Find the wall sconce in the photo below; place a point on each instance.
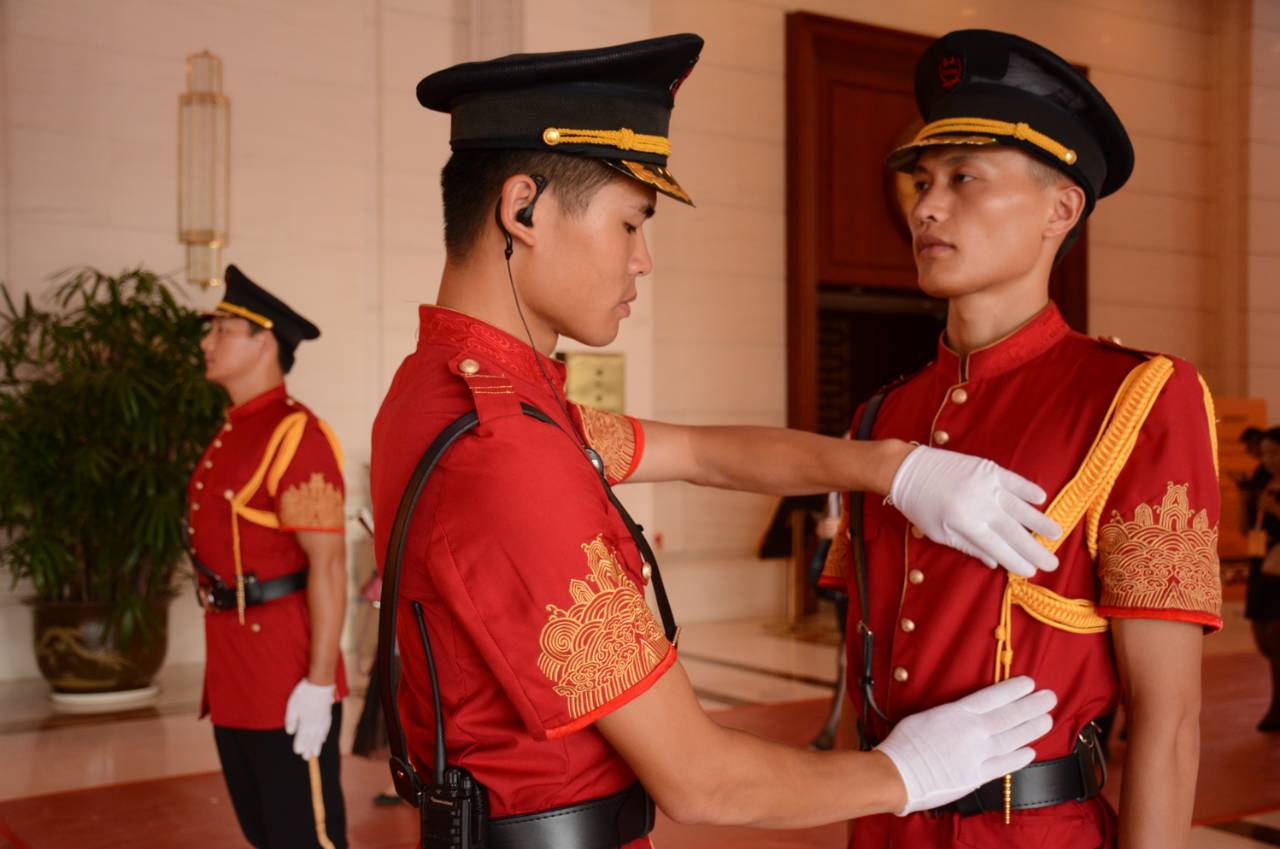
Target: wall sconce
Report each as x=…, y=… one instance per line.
x=204, y=169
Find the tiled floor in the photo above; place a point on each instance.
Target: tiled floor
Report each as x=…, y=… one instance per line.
x=731, y=665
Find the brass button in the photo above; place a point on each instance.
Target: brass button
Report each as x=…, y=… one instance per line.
x=199, y=484
x=646, y=571
x=289, y=402
x=190, y=529
x=468, y=367
x=551, y=136
x=1114, y=340
x=255, y=627
x=901, y=675
x=195, y=506
x=959, y=395
x=908, y=625
x=941, y=437
x=217, y=443
x=228, y=494
x=227, y=427
x=208, y=464
x=916, y=532
x=915, y=576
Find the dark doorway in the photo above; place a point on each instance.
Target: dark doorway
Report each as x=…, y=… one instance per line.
x=865, y=340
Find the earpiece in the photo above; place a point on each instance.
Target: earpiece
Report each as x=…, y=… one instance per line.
x=523, y=215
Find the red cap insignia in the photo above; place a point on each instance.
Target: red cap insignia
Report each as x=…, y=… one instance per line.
x=950, y=71
x=675, y=86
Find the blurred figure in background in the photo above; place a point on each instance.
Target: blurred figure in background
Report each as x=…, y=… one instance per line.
x=1262, y=600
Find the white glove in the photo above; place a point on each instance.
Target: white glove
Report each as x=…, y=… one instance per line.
x=975, y=507
x=945, y=752
x=308, y=716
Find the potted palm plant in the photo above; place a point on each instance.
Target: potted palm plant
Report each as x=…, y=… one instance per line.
x=103, y=411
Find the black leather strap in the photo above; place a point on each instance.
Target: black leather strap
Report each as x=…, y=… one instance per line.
x=219, y=596
x=599, y=824
x=1076, y=778
x=408, y=785
x=222, y=597
x=858, y=538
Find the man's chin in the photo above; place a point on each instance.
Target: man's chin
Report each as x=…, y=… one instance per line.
x=595, y=337
x=943, y=287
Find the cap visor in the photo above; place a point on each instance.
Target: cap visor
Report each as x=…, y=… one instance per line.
x=654, y=175
x=904, y=158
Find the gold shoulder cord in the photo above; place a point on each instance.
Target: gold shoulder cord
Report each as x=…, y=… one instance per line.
x=1082, y=498
x=281, y=447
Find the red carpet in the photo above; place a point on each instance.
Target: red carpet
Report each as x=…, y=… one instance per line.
x=1239, y=775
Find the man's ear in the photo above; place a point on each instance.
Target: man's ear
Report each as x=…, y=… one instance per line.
x=1068, y=207
x=518, y=191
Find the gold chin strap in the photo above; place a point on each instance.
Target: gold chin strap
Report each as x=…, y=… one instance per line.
x=237, y=310
x=622, y=139
x=1019, y=130
x=1082, y=498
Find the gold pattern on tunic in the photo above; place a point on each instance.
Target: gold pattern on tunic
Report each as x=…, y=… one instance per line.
x=315, y=504
x=837, y=563
x=606, y=642
x=612, y=437
x=1166, y=558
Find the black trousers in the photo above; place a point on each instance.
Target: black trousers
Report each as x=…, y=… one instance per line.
x=280, y=802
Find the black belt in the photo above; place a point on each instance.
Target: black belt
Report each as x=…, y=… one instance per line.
x=222, y=597
x=1076, y=778
x=605, y=823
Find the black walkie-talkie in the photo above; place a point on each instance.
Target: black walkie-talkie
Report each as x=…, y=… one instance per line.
x=454, y=812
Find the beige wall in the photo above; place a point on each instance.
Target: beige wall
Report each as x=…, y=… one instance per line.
x=334, y=198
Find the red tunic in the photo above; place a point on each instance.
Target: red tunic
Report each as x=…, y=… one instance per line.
x=252, y=668
x=1033, y=402
x=533, y=589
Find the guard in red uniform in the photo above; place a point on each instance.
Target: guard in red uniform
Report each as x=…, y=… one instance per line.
x=564, y=713
x=1016, y=148
x=266, y=535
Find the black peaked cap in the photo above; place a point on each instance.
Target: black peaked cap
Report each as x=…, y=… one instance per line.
x=983, y=87
x=246, y=299
x=609, y=103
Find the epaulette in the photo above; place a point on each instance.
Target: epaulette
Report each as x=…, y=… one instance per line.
x=491, y=389
x=1114, y=343
x=901, y=380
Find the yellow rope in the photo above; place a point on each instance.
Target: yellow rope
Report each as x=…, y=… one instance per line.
x=1018, y=130
x=1085, y=493
x=623, y=139
x=239, y=501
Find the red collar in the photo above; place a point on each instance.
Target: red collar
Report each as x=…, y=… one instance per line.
x=1029, y=341
x=441, y=325
x=258, y=402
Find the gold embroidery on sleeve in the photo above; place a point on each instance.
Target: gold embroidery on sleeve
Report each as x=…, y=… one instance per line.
x=606, y=642
x=613, y=438
x=314, y=504
x=837, y=562
x=1166, y=558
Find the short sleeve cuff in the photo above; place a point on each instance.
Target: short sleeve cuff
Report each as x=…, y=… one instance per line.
x=638, y=689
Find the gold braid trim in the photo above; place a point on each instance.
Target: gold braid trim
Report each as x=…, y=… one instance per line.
x=623, y=139
x=1020, y=130
x=249, y=315
x=1086, y=492
x=1088, y=489
x=239, y=510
